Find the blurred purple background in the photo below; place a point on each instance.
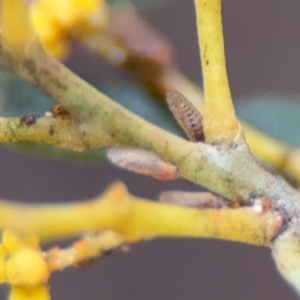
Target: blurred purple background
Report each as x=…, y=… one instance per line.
x=263, y=53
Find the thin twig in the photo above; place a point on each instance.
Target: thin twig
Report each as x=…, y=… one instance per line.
x=63, y=133
x=136, y=218
x=87, y=249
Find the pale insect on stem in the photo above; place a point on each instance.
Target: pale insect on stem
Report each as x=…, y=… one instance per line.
x=187, y=116
x=142, y=162
x=193, y=199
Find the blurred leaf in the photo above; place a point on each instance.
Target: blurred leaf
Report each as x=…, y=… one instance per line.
x=276, y=114
x=143, y=5
x=19, y=98
x=133, y=97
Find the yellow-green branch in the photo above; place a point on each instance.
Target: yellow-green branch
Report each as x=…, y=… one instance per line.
x=275, y=153
x=89, y=248
x=63, y=133
x=220, y=122
x=136, y=218
x=285, y=250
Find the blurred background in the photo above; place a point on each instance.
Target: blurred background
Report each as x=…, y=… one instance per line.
x=263, y=57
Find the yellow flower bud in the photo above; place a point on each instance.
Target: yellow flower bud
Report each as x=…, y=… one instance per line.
x=55, y=21
x=2, y=268
x=27, y=268
x=11, y=241
x=40, y=292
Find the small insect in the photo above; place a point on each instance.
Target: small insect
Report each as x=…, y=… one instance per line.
x=192, y=199
x=28, y=120
x=58, y=111
x=187, y=116
x=142, y=162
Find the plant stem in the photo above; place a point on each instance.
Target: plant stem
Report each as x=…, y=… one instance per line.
x=135, y=218
x=220, y=122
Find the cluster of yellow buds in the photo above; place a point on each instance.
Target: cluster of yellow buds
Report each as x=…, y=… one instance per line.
x=23, y=267
x=57, y=22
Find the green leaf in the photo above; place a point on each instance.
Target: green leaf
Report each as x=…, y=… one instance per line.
x=130, y=95
x=19, y=97
x=275, y=114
